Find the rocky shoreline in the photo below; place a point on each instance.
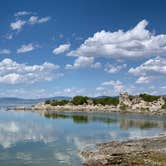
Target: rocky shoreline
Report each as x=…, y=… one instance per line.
x=87, y=108
x=143, y=104
x=143, y=152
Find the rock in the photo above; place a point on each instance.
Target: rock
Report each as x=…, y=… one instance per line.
x=124, y=99
x=129, y=153
x=136, y=102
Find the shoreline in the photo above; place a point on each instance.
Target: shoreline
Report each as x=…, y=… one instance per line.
x=142, y=104
x=88, y=109
x=142, y=152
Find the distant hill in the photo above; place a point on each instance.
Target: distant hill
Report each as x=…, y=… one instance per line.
x=31, y=101
x=14, y=101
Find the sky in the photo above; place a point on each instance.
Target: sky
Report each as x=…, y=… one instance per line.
x=81, y=47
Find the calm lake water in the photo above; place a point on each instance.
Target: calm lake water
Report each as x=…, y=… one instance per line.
x=28, y=138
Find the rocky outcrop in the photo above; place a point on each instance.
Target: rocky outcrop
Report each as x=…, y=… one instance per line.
x=136, y=102
x=124, y=99
x=151, y=151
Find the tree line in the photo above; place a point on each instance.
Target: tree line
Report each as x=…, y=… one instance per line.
x=80, y=100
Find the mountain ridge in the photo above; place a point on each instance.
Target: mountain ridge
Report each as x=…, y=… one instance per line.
x=23, y=100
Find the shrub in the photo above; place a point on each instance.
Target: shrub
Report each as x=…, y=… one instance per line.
x=149, y=98
x=59, y=102
x=131, y=97
x=163, y=106
x=123, y=107
x=47, y=102
x=106, y=101
x=79, y=100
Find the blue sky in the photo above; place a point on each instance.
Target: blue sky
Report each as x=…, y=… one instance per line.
x=82, y=47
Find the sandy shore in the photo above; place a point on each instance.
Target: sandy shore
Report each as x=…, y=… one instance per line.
x=143, y=152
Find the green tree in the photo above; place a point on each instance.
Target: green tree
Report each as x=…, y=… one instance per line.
x=149, y=98
x=79, y=100
x=163, y=106
x=59, y=102
x=47, y=102
x=106, y=101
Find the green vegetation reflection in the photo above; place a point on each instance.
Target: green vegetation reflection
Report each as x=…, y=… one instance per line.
x=125, y=123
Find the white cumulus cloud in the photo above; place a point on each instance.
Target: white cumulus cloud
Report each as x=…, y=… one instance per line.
x=149, y=70
x=117, y=85
x=72, y=91
x=110, y=68
x=21, y=22
x=83, y=62
x=136, y=42
x=17, y=25
x=22, y=13
x=5, y=51
x=37, y=20
x=143, y=79
x=12, y=72
x=61, y=49
x=100, y=88
x=26, y=48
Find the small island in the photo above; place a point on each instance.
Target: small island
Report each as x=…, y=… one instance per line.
x=143, y=103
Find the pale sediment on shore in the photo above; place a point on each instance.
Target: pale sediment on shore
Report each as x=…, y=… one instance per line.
x=41, y=107
x=83, y=108
x=143, y=152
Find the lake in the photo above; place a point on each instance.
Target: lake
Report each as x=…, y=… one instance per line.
x=32, y=139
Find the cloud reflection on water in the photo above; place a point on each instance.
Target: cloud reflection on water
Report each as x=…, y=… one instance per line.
x=58, y=138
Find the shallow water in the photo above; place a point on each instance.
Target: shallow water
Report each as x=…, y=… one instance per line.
x=28, y=138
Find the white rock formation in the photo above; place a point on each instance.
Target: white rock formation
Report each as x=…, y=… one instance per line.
x=136, y=102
